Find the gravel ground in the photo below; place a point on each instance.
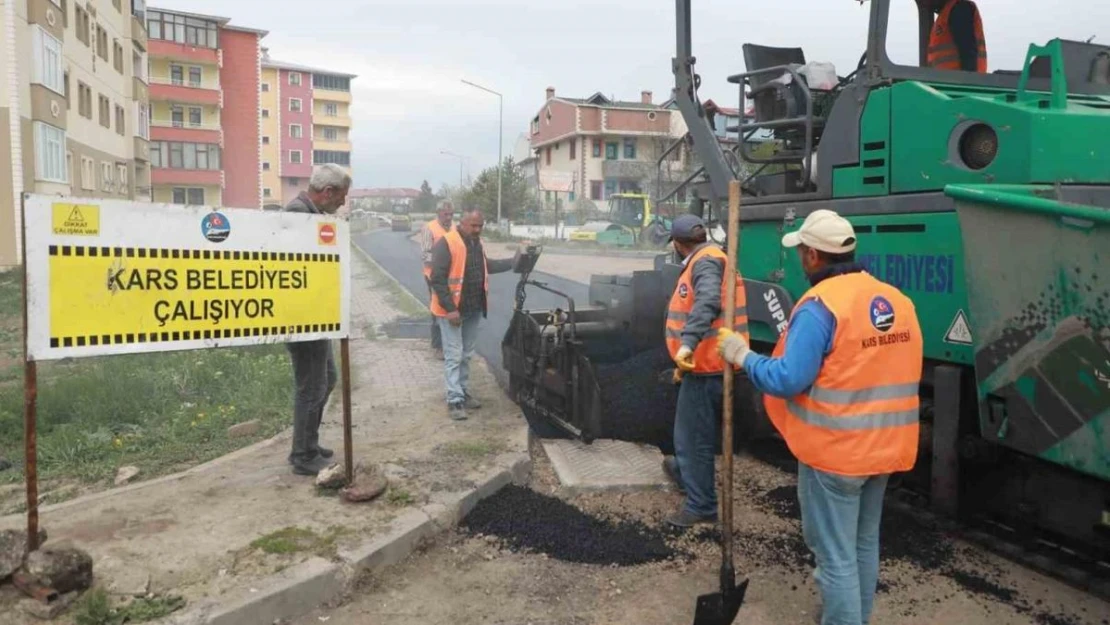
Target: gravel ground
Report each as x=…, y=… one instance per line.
x=527, y=556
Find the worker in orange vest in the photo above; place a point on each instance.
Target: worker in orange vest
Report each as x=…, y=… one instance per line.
x=460, y=299
x=842, y=388
x=694, y=315
x=956, y=41
x=430, y=234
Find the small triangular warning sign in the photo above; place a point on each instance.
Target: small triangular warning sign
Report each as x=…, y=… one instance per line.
x=959, y=332
x=75, y=215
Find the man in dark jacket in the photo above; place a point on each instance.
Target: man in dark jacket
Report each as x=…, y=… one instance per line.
x=313, y=362
x=459, y=281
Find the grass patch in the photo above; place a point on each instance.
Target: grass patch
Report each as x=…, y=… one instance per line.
x=472, y=449
x=291, y=540
x=95, y=608
x=399, y=497
x=11, y=293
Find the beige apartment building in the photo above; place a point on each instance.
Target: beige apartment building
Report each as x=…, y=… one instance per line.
x=75, y=99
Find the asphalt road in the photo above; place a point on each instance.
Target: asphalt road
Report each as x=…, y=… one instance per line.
x=401, y=258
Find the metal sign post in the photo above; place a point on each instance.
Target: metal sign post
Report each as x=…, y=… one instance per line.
x=30, y=400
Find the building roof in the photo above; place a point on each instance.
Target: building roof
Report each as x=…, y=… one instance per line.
x=388, y=192
x=201, y=16
x=268, y=62
x=257, y=31
x=599, y=100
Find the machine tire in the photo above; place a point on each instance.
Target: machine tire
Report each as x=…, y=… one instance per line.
x=655, y=233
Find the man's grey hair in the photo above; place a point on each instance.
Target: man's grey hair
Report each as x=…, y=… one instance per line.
x=329, y=175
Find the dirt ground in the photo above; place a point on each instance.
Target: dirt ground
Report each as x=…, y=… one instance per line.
x=927, y=578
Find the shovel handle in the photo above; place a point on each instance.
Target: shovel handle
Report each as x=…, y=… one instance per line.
x=733, y=247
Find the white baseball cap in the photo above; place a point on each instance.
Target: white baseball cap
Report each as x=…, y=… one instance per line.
x=823, y=230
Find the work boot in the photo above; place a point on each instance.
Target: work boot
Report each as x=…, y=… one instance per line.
x=684, y=519
x=324, y=451
x=457, y=412
x=670, y=467
x=471, y=403
x=312, y=466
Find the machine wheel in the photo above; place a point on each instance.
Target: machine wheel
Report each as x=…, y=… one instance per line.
x=655, y=233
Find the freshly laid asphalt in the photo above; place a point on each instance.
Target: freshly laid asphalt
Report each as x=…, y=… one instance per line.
x=400, y=256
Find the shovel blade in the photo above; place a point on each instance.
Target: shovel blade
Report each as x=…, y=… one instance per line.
x=720, y=608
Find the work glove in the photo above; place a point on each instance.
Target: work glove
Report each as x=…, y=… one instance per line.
x=732, y=346
x=684, y=359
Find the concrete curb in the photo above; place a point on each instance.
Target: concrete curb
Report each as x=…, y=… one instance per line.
x=370, y=259
x=299, y=590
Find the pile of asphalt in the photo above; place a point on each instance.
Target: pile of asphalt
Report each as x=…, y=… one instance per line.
x=528, y=521
x=638, y=400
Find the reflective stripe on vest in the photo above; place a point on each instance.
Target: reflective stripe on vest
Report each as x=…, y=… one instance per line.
x=706, y=358
x=943, y=52
x=860, y=416
x=437, y=232
x=457, y=247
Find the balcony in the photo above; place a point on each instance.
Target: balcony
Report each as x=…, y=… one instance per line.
x=628, y=169
x=163, y=89
x=169, y=130
x=331, y=146
x=328, y=95
x=142, y=150
x=139, y=90
x=164, y=175
x=160, y=48
x=138, y=33
x=340, y=121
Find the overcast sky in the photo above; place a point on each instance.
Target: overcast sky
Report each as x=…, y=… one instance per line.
x=410, y=55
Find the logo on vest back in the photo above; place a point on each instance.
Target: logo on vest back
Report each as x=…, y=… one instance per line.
x=683, y=291
x=882, y=314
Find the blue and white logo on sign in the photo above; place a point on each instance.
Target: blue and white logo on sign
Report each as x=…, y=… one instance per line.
x=683, y=291
x=882, y=314
x=215, y=227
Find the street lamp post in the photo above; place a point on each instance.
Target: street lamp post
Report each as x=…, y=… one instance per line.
x=461, y=160
x=500, y=141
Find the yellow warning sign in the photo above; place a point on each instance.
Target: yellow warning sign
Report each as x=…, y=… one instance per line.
x=76, y=219
x=102, y=296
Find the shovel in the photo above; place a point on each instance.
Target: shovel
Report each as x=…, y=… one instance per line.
x=720, y=608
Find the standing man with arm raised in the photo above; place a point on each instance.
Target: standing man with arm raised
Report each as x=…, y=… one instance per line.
x=430, y=234
x=314, y=370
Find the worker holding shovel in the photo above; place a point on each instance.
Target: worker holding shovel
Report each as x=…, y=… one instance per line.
x=841, y=387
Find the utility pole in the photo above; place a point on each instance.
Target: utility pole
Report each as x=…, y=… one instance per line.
x=461, y=160
x=500, y=141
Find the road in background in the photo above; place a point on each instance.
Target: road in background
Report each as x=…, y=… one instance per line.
x=400, y=256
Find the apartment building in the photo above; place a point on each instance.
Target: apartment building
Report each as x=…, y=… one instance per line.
x=73, y=102
x=594, y=147
x=306, y=120
x=205, y=101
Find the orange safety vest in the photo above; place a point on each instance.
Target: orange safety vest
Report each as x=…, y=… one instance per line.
x=706, y=358
x=437, y=231
x=860, y=417
x=943, y=53
x=457, y=247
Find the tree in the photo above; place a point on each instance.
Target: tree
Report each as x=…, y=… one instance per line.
x=516, y=198
x=426, y=203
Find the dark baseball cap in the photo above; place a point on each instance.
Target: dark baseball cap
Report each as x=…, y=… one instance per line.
x=686, y=226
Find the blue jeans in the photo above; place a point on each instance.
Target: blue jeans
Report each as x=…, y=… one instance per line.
x=840, y=523
x=458, y=347
x=697, y=426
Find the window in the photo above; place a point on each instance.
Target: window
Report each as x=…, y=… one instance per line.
x=69, y=166
x=105, y=112
x=332, y=83
x=81, y=24
x=548, y=153
x=265, y=141
x=573, y=149
x=142, y=120
x=331, y=134
x=101, y=42
x=177, y=116
x=630, y=148
x=595, y=188
x=265, y=87
x=65, y=81
x=177, y=74
x=266, y=192
x=320, y=157
x=295, y=78
x=295, y=156
x=84, y=100
x=295, y=105
x=117, y=56
x=48, y=61
x=184, y=155
x=121, y=120
x=610, y=151
x=570, y=197
x=194, y=116
x=121, y=177
x=188, y=195
x=88, y=174
x=597, y=149
x=265, y=166
x=50, y=153
x=138, y=66
x=295, y=131
x=265, y=113
x=106, y=181
x=190, y=31
x=610, y=188
x=194, y=76
x=331, y=109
